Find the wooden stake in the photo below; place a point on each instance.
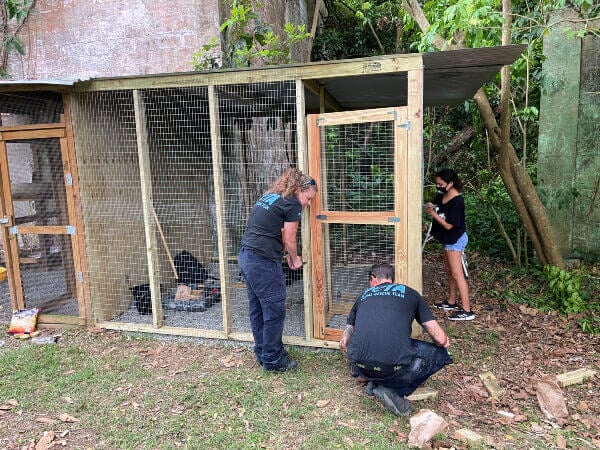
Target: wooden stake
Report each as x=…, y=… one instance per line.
x=164, y=241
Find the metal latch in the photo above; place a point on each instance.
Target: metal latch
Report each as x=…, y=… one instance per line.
x=321, y=217
x=404, y=125
x=70, y=229
x=3, y=219
x=13, y=230
x=394, y=219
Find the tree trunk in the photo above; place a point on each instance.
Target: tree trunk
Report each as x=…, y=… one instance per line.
x=516, y=180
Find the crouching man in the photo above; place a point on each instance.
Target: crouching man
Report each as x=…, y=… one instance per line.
x=377, y=340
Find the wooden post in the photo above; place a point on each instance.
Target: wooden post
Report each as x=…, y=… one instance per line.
x=218, y=180
x=305, y=224
x=141, y=132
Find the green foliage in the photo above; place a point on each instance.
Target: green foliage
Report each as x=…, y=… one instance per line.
x=350, y=27
x=563, y=289
x=248, y=40
x=17, y=11
x=574, y=292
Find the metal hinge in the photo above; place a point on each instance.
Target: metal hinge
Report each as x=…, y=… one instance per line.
x=69, y=179
x=404, y=125
x=3, y=219
x=13, y=230
x=394, y=219
x=80, y=277
x=70, y=229
x=321, y=217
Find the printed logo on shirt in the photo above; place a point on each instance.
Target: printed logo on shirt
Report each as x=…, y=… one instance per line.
x=396, y=290
x=267, y=200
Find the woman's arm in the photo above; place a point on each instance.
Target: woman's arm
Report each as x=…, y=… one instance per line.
x=430, y=209
x=290, y=229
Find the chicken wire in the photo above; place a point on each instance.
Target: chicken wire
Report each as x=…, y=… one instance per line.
x=39, y=199
x=357, y=171
x=257, y=134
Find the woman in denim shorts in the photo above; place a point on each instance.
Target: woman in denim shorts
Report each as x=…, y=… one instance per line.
x=447, y=212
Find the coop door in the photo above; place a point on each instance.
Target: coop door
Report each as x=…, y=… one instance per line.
x=37, y=234
x=358, y=217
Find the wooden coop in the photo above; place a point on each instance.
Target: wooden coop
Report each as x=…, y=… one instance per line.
x=124, y=199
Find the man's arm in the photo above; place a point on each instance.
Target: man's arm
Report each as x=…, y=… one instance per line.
x=437, y=334
x=346, y=337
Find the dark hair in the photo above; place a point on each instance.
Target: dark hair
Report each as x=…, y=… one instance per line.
x=450, y=176
x=382, y=271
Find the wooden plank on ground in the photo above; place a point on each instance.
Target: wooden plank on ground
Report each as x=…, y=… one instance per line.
x=575, y=376
x=423, y=393
x=491, y=384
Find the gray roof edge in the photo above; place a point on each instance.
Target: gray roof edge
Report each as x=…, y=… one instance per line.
x=481, y=56
x=38, y=85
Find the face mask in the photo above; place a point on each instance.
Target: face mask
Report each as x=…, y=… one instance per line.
x=441, y=190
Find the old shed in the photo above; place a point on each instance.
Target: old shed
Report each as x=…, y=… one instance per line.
x=109, y=184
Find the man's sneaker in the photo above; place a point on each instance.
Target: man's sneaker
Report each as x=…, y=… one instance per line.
x=461, y=314
x=446, y=306
x=285, y=364
x=392, y=401
x=370, y=387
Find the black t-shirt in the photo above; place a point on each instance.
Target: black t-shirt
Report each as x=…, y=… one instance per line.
x=454, y=213
x=267, y=216
x=382, y=317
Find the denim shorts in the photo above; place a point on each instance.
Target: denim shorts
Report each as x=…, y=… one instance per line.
x=458, y=246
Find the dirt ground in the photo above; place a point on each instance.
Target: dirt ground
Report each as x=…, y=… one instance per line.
x=520, y=346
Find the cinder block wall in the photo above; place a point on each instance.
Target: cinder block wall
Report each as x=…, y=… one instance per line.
x=80, y=39
x=569, y=152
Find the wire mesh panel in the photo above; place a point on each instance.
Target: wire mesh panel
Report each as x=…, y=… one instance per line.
x=175, y=133
x=258, y=139
x=353, y=249
x=358, y=167
x=173, y=200
x=356, y=223
x=40, y=210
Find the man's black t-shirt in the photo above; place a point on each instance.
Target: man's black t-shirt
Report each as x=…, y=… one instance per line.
x=263, y=234
x=382, y=317
x=454, y=213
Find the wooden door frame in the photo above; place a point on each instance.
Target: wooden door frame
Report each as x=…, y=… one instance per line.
x=319, y=214
x=62, y=131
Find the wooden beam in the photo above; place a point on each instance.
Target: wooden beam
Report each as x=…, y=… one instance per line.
x=76, y=218
x=402, y=195
x=315, y=70
x=313, y=135
x=218, y=181
x=149, y=224
x=361, y=217
x=303, y=165
x=362, y=116
x=32, y=134
x=47, y=229
x=39, y=126
x=325, y=96
x=414, y=174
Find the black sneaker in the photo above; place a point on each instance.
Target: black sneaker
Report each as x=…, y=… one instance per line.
x=461, y=314
x=446, y=306
x=285, y=364
x=370, y=387
x=392, y=401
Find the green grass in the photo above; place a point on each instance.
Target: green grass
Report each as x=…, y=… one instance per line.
x=137, y=393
